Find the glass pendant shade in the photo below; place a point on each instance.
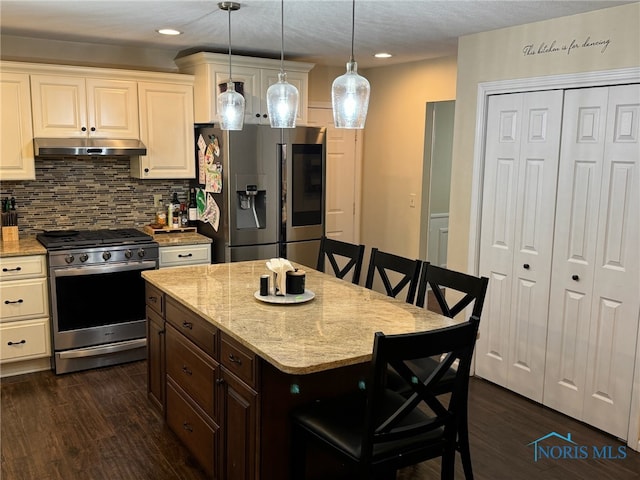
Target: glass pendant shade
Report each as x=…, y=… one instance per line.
x=350, y=98
x=282, y=103
x=231, y=109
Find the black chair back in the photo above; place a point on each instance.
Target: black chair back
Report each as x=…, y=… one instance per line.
x=440, y=279
x=408, y=270
x=333, y=250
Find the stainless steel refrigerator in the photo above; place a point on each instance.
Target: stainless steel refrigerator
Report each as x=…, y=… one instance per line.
x=262, y=191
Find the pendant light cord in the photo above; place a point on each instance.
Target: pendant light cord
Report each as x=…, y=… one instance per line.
x=353, y=25
x=281, y=36
x=230, y=76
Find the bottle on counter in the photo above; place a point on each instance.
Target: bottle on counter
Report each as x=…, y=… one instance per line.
x=193, y=208
x=184, y=218
x=174, y=212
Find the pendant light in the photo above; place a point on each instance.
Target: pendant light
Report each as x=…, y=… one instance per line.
x=282, y=97
x=230, y=102
x=350, y=92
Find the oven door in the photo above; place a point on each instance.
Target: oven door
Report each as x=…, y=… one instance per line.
x=96, y=305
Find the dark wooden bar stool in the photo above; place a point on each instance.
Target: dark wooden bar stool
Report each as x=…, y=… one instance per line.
x=336, y=252
x=404, y=273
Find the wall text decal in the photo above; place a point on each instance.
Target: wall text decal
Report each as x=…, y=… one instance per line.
x=568, y=47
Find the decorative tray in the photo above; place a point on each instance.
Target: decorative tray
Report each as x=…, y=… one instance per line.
x=286, y=299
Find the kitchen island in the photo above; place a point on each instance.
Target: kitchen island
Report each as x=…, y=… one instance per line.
x=227, y=368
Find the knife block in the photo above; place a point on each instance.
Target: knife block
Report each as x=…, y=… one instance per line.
x=10, y=234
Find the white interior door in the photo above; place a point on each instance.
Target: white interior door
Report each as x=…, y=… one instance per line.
x=595, y=287
x=523, y=139
x=342, y=177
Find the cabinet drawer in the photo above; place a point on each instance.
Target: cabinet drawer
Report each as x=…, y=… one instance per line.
x=196, y=329
x=199, y=436
x=154, y=298
x=23, y=267
x=24, y=340
x=24, y=299
x=192, y=370
x=184, y=255
x=238, y=360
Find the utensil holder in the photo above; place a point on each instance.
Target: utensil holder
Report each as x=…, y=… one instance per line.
x=10, y=234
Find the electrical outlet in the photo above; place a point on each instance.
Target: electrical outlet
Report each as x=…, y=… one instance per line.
x=412, y=200
x=157, y=200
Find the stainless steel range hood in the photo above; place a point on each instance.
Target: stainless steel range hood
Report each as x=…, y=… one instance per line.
x=88, y=147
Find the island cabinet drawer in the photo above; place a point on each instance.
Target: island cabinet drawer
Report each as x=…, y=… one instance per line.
x=193, y=370
x=195, y=328
x=154, y=299
x=199, y=435
x=23, y=267
x=239, y=360
x=24, y=299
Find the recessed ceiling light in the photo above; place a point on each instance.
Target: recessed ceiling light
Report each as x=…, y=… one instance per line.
x=169, y=31
x=383, y=55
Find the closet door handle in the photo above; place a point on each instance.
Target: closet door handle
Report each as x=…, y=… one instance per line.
x=575, y=277
x=525, y=266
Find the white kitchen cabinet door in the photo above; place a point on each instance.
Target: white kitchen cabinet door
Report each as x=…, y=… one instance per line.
x=16, y=135
x=521, y=162
x=72, y=107
x=593, y=311
x=166, y=129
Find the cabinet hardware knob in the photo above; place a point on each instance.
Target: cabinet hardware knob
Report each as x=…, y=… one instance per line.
x=7, y=302
x=93, y=129
x=21, y=342
x=187, y=370
x=146, y=170
x=84, y=129
x=187, y=427
x=152, y=299
x=219, y=381
x=575, y=277
x=17, y=269
x=526, y=266
x=188, y=325
x=257, y=115
x=264, y=115
x=235, y=359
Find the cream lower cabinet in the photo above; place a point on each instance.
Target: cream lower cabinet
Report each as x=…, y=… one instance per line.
x=25, y=343
x=70, y=106
x=16, y=135
x=166, y=128
x=257, y=74
x=559, y=243
x=178, y=255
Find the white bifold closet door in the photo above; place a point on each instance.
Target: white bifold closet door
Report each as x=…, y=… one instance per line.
x=595, y=284
x=521, y=170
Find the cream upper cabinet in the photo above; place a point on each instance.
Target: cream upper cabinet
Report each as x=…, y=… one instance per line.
x=70, y=106
x=16, y=134
x=166, y=128
x=257, y=74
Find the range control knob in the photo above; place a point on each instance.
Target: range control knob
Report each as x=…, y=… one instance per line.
x=84, y=257
x=69, y=258
x=128, y=253
x=141, y=252
x=106, y=255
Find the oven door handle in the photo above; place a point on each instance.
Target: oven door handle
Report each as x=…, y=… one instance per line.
x=94, y=270
x=104, y=349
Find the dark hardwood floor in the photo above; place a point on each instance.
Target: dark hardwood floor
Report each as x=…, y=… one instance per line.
x=99, y=425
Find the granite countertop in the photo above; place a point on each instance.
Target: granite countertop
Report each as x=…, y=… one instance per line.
x=26, y=245
x=334, y=329
x=182, y=238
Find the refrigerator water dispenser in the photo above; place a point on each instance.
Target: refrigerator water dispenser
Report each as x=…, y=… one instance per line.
x=251, y=208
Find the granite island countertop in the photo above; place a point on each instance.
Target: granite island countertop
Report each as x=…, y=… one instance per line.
x=333, y=330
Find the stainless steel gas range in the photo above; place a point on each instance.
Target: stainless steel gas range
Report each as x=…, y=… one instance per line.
x=97, y=295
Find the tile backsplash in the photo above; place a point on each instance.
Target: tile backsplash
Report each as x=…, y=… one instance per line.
x=87, y=194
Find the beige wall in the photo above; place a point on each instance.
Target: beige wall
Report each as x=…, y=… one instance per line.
x=498, y=55
x=394, y=150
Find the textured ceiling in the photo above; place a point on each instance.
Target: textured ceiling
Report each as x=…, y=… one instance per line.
x=318, y=31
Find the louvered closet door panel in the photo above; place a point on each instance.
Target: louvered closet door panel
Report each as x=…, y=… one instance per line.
x=616, y=288
x=583, y=139
x=533, y=242
x=504, y=123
